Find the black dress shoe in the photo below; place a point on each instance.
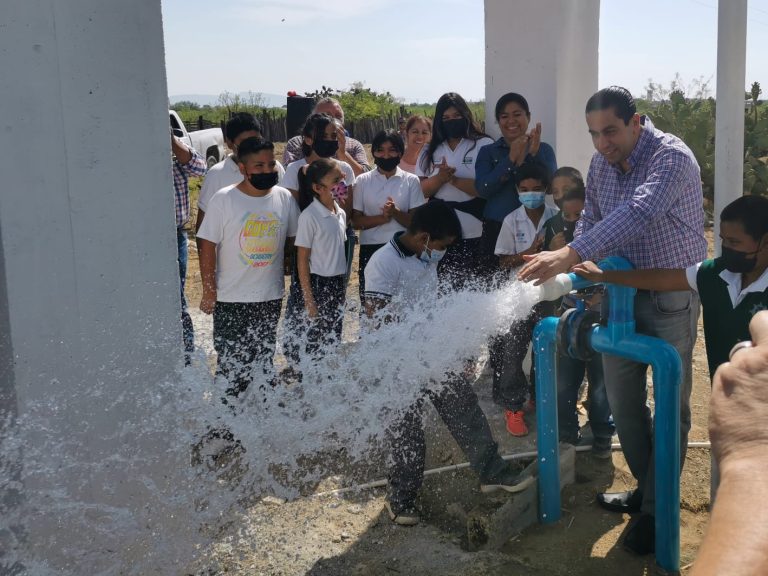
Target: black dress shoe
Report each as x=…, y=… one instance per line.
x=641, y=536
x=628, y=502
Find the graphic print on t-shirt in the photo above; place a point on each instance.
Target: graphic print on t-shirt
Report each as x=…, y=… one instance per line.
x=259, y=238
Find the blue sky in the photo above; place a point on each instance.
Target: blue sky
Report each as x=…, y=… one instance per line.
x=418, y=49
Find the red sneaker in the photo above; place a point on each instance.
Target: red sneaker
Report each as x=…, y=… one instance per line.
x=515, y=423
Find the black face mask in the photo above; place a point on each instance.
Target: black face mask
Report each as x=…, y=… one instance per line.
x=326, y=148
x=456, y=128
x=739, y=262
x=263, y=181
x=568, y=229
x=386, y=164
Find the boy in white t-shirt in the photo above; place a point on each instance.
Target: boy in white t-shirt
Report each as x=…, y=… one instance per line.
x=399, y=275
x=244, y=239
x=241, y=126
x=320, y=259
x=521, y=233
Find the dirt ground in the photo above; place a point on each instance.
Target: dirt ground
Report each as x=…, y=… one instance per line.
x=350, y=533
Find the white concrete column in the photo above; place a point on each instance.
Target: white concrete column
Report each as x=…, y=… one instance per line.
x=546, y=50
x=729, y=120
x=89, y=317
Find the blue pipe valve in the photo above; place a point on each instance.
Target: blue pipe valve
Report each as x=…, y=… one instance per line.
x=578, y=334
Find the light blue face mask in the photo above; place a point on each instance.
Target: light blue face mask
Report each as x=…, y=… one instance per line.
x=431, y=255
x=531, y=200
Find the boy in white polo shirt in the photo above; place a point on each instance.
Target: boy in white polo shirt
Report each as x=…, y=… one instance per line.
x=398, y=276
x=244, y=239
x=320, y=259
x=521, y=233
x=384, y=199
x=227, y=172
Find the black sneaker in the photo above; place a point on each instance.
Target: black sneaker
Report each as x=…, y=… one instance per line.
x=509, y=481
x=623, y=502
x=403, y=515
x=601, y=448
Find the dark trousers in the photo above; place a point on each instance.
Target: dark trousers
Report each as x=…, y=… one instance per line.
x=325, y=330
x=457, y=405
x=366, y=251
x=244, y=338
x=461, y=266
x=570, y=375
x=489, y=260
x=507, y=351
x=187, y=330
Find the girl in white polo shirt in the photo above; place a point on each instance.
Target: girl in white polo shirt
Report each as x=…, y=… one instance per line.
x=384, y=199
x=447, y=170
x=321, y=260
x=320, y=141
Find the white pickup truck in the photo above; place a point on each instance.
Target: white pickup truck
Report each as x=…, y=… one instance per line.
x=208, y=143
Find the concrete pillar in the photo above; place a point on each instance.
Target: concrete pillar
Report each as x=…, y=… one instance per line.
x=89, y=301
x=547, y=51
x=729, y=120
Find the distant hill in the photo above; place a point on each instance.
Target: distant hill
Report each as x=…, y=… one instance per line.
x=271, y=100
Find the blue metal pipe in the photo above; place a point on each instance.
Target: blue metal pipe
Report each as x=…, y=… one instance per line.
x=546, y=420
x=618, y=338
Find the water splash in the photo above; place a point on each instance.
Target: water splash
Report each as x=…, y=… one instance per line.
x=279, y=441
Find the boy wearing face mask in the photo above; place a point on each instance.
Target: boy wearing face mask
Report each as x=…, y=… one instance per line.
x=385, y=199
x=522, y=232
x=244, y=240
x=571, y=371
x=403, y=274
x=733, y=287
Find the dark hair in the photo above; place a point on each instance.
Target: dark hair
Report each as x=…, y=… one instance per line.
x=253, y=145
x=313, y=174
x=574, y=176
x=614, y=97
x=533, y=171
x=752, y=212
x=437, y=219
x=508, y=98
x=474, y=132
x=575, y=193
x=314, y=128
x=390, y=136
x=240, y=122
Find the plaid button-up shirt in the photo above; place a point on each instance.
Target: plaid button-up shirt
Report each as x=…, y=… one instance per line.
x=653, y=214
x=181, y=173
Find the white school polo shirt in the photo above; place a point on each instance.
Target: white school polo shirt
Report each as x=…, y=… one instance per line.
x=463, y=159
x=733, y=280
x=291, y=178
x=371, y=192
x=249, y=233
x=518, y=232
x=324, y=233
x=224, y=174
x=395, y=272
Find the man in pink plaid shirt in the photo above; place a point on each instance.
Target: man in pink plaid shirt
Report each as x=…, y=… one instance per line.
x=644, y=202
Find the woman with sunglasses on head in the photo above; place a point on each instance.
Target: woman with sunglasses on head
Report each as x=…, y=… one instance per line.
x=447, y=171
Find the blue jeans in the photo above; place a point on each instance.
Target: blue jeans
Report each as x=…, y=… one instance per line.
x=187, y=330
x=570, y=375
